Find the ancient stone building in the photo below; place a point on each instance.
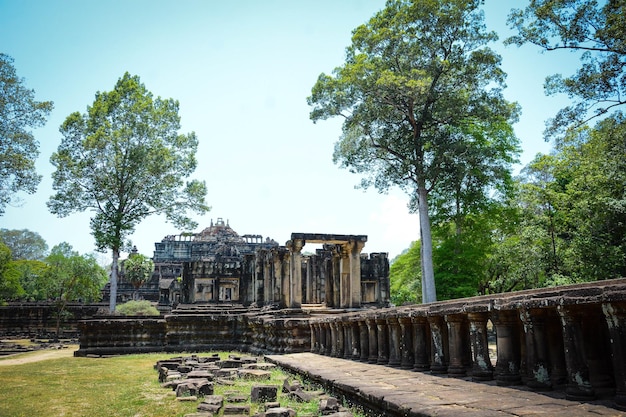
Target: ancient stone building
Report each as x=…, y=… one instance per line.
x=218, y=265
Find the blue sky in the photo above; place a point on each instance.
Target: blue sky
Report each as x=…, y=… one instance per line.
x=241, y=70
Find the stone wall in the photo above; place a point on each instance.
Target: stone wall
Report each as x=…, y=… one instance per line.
x=39, y=319
x=281, y=331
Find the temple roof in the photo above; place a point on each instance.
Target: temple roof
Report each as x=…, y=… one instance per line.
x=219, y=231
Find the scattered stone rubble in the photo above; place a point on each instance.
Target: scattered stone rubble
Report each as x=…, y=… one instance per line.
x=194, y=377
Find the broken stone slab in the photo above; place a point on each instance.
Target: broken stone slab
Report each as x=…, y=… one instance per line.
x=341, y=414
x=202, y=414
x=301, y=396
x=225, y=373
x=271, y=404
x=184, y=369
x=329, y=405
x=234, y=409
x=264, y=393
x=238, y=398
x=255, y=374
x=280, y=412
x=291, y=386
x=211, y=403
x=230, y=363
x=195, y=387
x=200, y=374
x=188, y=398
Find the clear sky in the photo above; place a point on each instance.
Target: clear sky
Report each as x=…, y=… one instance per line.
x=241, y=70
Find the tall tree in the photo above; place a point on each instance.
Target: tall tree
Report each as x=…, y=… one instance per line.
x=24, y=244
x=125, y=160
x=72, y=277
x=19, y=112
x=419, y=83
x=598, y=31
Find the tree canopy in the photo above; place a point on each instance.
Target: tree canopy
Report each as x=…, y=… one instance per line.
x=420, y=94
x=598, y=31
x=19, y=112
x=24, y=244
x=124, y=160
x=138, y=270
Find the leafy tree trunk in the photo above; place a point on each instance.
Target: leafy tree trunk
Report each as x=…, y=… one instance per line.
x=429, y=294
x=113, y=296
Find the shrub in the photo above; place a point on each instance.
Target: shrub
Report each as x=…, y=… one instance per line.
x=137, y=308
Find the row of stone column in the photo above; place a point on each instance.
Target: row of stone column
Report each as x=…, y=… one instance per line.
x=579, y=348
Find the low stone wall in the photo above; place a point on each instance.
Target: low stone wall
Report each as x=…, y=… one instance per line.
x=39, y=319
x=255, y=332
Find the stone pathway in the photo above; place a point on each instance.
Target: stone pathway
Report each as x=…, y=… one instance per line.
x=396, y=392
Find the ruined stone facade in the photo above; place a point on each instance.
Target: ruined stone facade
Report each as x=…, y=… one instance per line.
x=218, y=265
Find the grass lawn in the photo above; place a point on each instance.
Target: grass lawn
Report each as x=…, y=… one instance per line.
x=124, y=386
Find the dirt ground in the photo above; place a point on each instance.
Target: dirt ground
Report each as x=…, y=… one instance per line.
x=38, y=355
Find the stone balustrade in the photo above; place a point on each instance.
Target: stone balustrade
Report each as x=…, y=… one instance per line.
x=571, y=338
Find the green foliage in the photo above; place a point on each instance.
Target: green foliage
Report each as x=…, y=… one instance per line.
x=24, y=244
x=598, y=31
x=19, y=112
x=420, y=94
x=138, y=269
x=31, y=278
x=10, y=287
x=137, y=308
x=125, y=160
x=405, y=277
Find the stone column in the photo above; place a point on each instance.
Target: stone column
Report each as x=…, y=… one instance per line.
x=336, y=276
x=383, y=341
x=508, y=345
x=329, y=338
x=294, y=289
x=347, y=339
x=421, y=343
x=340, y=341
x=456, y=344
x=394, y=341
x=355, y=339
x=615, y=314
x=372, y=331
x=333, y=338
x=482, y=369
x=314, y=337
x=355, y=273
x=277, y=278
x=438, y=337
x=364, y=340
x=578, y=384
x=537, y=354
x=406, y=343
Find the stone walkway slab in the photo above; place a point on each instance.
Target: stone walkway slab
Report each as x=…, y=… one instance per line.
x=396, y=392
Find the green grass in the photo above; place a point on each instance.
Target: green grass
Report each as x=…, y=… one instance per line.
x=122, y=386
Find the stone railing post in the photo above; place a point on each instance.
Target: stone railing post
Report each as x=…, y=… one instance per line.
x=615, y=314
x=333, y=338
x=383, y=341
x=482, y=369
x=364, y=340
x=508, y=344
x=339, y=341
x=393, y=326
x=315, y=348
x=372, y=331
x=458, y=344
x=578, y=384
x=355, y=338
x=438, y=346
x=421, y=343
x=537, y=354
x=406, y=343
x=347, y=339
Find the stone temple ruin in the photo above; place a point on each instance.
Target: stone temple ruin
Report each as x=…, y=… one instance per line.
x=218, y=266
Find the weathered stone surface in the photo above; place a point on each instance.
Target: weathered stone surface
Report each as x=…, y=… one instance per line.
x=211, y=403
x=188, y=398
x=230, y=363
x=280, y=412
x=195, y=387
x=237, y=398
x=260, y=365
x=203, y=414
x=200, y=374
x=291, y=386
x=264, y=393
x=302, y=396
x=234, y=409
x=329, y=405
x=255, y=374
